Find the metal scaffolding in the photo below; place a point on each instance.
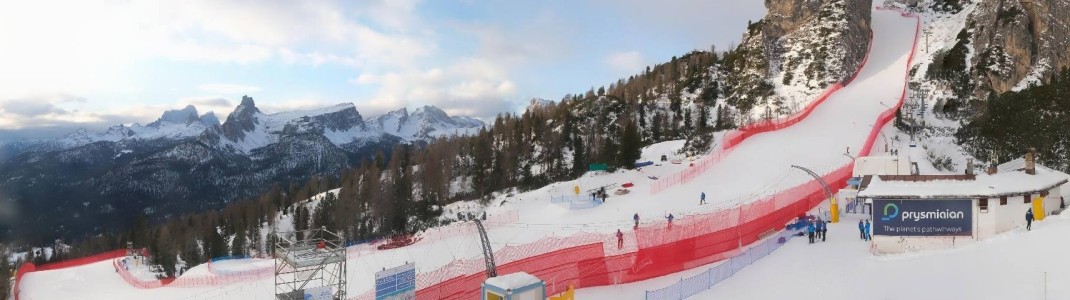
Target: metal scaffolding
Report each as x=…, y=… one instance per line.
x=312, y=260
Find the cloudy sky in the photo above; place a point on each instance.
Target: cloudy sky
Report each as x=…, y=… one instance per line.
x=101, y=63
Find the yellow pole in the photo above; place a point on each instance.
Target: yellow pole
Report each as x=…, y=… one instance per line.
x=835, y=211
x=576, y=189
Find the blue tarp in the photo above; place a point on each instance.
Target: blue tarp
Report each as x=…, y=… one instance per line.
x=643, y=164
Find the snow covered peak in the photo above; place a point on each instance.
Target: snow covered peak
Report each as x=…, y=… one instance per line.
x=431, y=113
x=424, y=123
x=249, y=129
x=179, y=116
x=243, y=119
x=210, y=119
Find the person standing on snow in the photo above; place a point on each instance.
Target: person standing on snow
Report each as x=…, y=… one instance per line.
x=861, y=230
x=669, y=217
x=1029, y=219
x=620, y=239
x=702, y=198
x=820, y=229
x=636, y=218
x=810, y=231
x=866, y=231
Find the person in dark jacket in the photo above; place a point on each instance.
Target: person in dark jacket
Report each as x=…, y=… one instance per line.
x=861, y=230
x=810, y=230
x=670, y=218
x=866, y=231
x=636, y=218
x=620, y=239
x=1029, y=220
x=822, y=228
x=702, y=198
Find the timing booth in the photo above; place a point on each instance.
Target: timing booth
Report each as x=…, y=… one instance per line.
x=515, y=286
x=925, y=212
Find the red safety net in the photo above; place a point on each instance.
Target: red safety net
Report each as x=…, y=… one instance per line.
x=217, y=277
x=591, y=259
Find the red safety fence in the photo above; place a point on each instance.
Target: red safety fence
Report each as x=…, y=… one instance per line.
x=215, y=279
x=591, y=259
x=690, y=173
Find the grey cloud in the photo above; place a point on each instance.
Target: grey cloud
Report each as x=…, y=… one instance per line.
x=211, y=102
x=28, y=108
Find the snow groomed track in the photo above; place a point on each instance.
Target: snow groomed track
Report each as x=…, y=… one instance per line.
x=747, y=190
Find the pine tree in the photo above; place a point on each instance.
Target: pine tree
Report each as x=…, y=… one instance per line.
x=6, y=271
x=631, y=145
x=579, y=161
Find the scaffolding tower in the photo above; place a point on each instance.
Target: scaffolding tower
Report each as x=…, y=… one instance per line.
x=309, y=262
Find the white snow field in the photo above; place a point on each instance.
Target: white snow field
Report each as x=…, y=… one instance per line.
x=759, y=166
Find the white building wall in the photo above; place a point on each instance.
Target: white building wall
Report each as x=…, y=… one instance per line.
x=1010, y=216
x=1053, y=200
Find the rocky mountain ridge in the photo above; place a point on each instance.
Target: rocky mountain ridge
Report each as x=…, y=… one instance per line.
x=185, y=162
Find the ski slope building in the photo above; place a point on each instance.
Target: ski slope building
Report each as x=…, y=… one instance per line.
x=924, y=212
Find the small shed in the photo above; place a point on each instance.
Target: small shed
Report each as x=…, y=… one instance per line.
x=515, y=286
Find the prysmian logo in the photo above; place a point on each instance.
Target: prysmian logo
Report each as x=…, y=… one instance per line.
x=889, y=216
x=936, y=214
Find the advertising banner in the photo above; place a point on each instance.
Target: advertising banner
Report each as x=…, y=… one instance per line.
x=923, y=217
x=398, y=283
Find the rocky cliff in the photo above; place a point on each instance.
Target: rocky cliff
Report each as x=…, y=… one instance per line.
x=799, y=48
x=1018, y=43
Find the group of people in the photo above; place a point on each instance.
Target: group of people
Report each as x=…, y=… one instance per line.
x=863, y=230
x=817, y=229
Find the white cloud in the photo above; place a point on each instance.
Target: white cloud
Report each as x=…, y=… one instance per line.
x=627, y=62
x=471, y=87
x=91, y=48
x=228, y=88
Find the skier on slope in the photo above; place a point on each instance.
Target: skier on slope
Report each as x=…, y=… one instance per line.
x=636, y=218
x=702, y=198
x=620, y=239
x=670, y=218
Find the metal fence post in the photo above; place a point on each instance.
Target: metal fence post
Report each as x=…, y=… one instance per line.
x=680, y=289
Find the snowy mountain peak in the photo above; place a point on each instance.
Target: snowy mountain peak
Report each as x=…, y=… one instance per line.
x=243, y=119
x=431, y=114
x=186, y=115
x=210, y=119
x=424, y=123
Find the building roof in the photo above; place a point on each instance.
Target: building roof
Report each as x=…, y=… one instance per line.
x=1008, y=183
x=513, y=281
x=1019, y=164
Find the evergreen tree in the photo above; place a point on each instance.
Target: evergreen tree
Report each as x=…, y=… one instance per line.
x=579, y=161
x=163, y=251
x=217, y=245
x=631, y=145
x=6, y=271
